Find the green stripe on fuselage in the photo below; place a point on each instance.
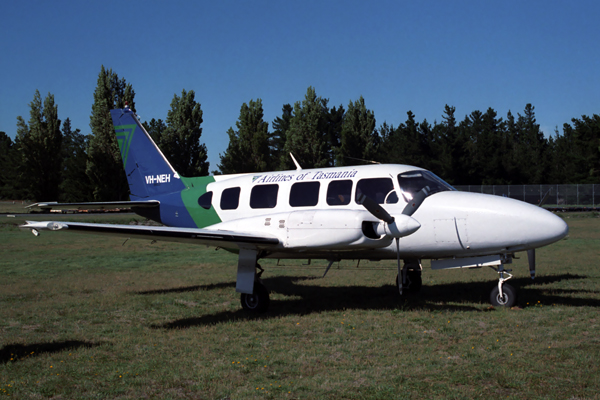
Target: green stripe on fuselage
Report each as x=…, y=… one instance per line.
x=196, y=187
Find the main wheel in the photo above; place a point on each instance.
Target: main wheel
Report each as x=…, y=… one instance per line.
x=258, y=301
x=413, y=280
x=508, y=299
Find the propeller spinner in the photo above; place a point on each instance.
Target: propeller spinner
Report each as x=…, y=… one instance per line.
x=396, y=227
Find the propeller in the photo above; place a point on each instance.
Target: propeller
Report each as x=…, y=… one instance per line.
x=416, y=201
x=374, y=208
x=396, y=227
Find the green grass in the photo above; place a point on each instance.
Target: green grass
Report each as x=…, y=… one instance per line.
x=87, y=317
x=16, y=206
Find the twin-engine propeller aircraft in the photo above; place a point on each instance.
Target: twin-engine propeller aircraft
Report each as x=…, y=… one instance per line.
x=372, y=212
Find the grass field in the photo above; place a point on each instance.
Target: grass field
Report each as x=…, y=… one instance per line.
x=86, y=317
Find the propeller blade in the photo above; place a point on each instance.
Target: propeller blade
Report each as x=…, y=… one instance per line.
x=416, y=202
x=374, y=208
x=531, y=259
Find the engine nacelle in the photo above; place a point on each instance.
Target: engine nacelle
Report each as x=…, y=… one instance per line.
x=331, y=229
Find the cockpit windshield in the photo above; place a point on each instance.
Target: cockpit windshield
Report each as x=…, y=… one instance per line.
x=412, y=182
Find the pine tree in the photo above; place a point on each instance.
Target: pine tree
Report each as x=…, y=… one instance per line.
x=387, y=146
x=448, y=136
x=74, y=185
x=306, y=139
x=105, y=166
x=531, y=148
x=38, y=144
x=332, y=129
x=277, y=137
x=7, y=167
x=155, y=129
x=248, y=149
x=180, y=140
x=359, y=140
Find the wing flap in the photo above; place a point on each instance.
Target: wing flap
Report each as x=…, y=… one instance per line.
x=207, y=237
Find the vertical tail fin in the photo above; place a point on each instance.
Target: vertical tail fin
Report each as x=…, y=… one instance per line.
x=148, y=171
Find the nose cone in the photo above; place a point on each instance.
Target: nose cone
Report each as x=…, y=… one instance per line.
x=499, y=223
x=543, y=227
x=522, y=225
x=403, y=226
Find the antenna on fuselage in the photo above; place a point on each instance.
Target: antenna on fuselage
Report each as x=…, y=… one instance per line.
x=360, y=159
x=298, y=167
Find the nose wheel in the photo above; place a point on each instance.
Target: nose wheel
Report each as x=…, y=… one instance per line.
x=508, y=298
x=503, y=295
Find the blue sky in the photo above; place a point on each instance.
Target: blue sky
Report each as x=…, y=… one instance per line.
x=400, y=56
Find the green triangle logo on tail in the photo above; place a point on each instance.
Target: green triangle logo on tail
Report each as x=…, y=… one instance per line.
x=124, y=135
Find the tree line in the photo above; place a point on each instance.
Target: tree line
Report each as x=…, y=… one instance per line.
x=50, y=160
x=482, y=148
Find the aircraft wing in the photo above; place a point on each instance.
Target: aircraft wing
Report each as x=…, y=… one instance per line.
x=217, y=238
x=97, y=205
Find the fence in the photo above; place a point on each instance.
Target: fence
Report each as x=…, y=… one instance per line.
x=584, y=195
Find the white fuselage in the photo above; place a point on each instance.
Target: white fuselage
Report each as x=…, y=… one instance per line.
x=453, y=224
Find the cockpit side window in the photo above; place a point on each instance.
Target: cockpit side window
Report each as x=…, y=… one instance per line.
x=378, y=189
x=413, y=181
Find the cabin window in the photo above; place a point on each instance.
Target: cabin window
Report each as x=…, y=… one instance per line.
x=414, y=181
x=264, y=196
x=205, y=201
x=377, y=189
x=230, y=198
x=304, y=194
x=339, y=192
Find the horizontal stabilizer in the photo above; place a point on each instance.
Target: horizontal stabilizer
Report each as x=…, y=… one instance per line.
x=96, y=205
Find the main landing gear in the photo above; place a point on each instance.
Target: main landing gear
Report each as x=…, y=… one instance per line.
x=411, y=272
x=413, y=281
x=258, y=300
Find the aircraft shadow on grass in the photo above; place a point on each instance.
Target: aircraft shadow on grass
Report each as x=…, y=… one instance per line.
x=17, y=352
x=190, y=288
x=308, y=299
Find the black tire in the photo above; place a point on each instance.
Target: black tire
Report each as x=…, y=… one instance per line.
x=509, y=296
x=257, y=302
x=413, y=281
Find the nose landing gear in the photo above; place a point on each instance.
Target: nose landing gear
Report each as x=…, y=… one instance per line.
x=503, y=295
